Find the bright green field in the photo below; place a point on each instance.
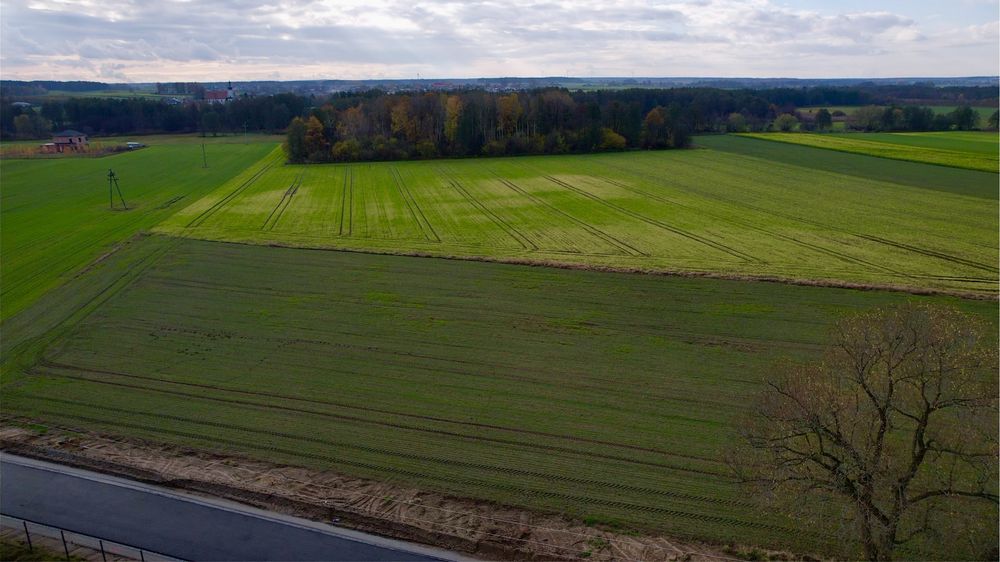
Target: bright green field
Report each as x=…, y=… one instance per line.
x=971, y=150
x=55, y=213
x=596, y=394
x=724, y=211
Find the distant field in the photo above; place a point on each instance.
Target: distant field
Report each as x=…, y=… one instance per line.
x=604, y=396
x=113, y=94
x=971, y=150
x=54, y=215
x=984, y=112
x=714, y=211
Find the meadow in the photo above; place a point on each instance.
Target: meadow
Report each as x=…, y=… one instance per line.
x=56, y=215
x=966, y=149
x=722, y=211
x=605, y=396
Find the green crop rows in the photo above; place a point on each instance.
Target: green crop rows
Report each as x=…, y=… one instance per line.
x=971, y=150
x=698, y=211
x=595, y=394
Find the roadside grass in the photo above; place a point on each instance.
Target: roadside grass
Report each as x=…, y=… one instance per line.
x=605, y=396
x=726, y=211
x=55, y=216
x=973, y=153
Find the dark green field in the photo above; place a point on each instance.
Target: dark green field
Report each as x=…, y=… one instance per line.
x=599, y=395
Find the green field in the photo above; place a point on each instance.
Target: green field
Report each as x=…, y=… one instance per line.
x=606, y=396
x=56, y=215
x=596, y=394
x=713, y=211
x=970, y=150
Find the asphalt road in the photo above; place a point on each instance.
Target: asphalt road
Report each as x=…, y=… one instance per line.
x=182, y=525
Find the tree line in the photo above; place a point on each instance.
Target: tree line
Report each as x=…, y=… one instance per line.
x=129, y=116
x=379, y=125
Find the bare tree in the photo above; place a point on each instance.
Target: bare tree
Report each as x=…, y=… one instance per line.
x=897, y=423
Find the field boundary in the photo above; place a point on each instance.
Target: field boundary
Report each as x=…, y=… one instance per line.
x=666, y=272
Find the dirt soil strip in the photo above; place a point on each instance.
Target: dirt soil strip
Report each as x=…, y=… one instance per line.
x=484, y=529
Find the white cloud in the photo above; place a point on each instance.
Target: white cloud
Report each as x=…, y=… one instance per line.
x=247, y=39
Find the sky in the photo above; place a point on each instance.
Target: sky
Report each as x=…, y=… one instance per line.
x=217, y=40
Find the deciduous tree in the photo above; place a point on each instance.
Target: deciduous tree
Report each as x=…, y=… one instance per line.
x=897, y=422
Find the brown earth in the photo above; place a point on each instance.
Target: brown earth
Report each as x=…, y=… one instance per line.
x=479, y=528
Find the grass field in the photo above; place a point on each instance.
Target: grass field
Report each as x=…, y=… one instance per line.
x=602, y=395
x=970, y=150
x=715, y=211
x=55, y=212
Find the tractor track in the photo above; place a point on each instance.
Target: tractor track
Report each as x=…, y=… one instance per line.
x=356, y=419
x=411, y=456
x=518, y=236
x=286, y=200
x=382, y=411
x=347, y=202
x=871, y=238
x=207, y=213
x=512, y=489
x=623, y=246
x=662, y=225
x=415, y=211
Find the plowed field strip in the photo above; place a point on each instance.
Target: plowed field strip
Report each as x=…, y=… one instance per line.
x=659, y=224
x=625, y=247
x=207, y=213
x=356, y=419
x=61, y=366
x=424, y=458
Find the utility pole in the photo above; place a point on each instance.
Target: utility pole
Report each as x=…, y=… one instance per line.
x=112, y=187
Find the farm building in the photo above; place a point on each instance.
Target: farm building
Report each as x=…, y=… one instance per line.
x=66, y=140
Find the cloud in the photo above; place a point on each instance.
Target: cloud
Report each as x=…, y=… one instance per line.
x=248, y=39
